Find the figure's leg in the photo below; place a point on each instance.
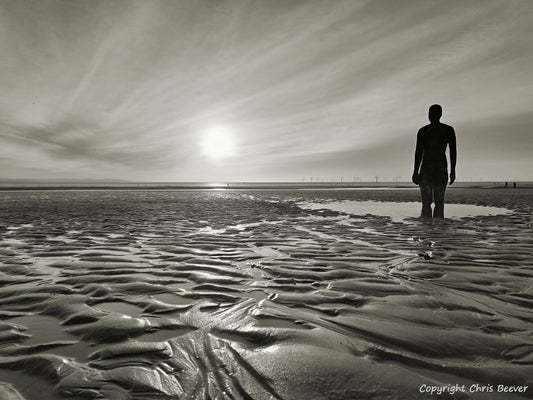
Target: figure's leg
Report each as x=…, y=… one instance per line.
x=426, y=192
x=438, y=193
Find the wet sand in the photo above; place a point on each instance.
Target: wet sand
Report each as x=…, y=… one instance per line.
x=251, y=295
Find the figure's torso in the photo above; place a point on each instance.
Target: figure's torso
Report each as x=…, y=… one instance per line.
x=434, y=139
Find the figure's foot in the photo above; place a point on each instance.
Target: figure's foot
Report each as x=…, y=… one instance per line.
x=439, y=211
x=426, y=211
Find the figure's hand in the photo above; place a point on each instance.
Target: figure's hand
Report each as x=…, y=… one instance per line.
x=452, y=177
x=416, y=178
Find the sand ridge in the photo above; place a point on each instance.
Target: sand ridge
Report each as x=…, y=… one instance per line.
x=235, y=294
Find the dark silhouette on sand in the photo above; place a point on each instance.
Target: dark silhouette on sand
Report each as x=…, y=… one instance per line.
x=431, y=167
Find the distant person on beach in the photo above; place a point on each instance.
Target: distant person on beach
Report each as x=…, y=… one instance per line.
x=431, y=168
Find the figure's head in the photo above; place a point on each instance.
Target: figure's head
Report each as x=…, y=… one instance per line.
x=435, y=112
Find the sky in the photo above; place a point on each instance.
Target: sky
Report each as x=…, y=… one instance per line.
x=265, y=90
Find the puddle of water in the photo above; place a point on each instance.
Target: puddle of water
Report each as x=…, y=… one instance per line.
x=278, y=323
x=32, y=387
x=175, y=299
x=398, y=211
x=210, y=231
x=163, y=335
x=120, y=308
x=255, y=294
x=13, y=242
x=43, y=329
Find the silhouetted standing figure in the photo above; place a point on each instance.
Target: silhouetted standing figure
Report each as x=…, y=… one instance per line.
x=431, y=168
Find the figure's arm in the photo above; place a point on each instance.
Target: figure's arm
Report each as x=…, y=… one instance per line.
x=419, y=151
x=453, y=156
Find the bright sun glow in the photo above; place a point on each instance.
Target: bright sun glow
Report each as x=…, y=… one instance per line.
x=218, y=143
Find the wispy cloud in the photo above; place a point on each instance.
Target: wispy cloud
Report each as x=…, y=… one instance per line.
x=129, y=87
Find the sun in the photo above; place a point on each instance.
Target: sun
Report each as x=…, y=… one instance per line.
x=218, y=143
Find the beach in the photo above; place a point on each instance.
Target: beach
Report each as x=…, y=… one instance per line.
x=264, y=294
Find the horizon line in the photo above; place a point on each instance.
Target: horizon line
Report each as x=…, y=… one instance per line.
x=221, y=182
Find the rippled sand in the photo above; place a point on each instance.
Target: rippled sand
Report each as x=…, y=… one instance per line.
x=247, y=295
